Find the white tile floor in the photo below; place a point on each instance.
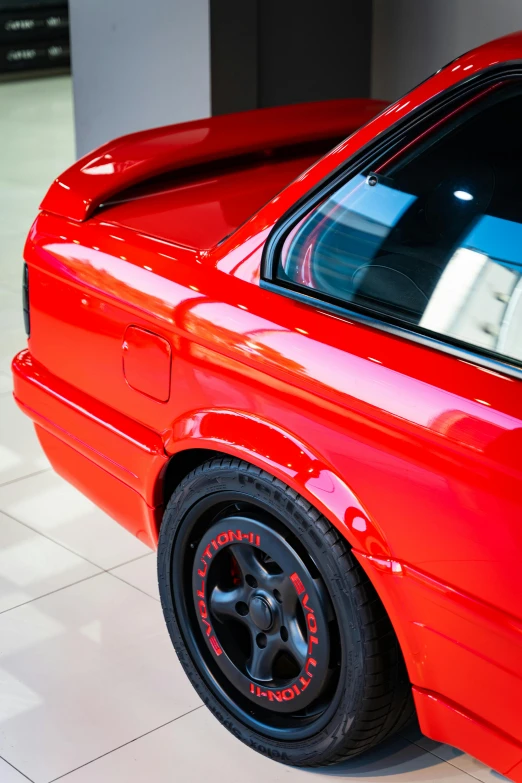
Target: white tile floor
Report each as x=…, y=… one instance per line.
x=90, y=688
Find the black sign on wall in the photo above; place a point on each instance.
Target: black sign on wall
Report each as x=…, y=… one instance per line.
x=34, y=34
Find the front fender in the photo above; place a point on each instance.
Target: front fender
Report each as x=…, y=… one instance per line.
x=289, y=458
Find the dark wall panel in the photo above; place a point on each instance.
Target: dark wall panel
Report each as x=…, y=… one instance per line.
x=274, y=52
x=233, y=55
x=312, y=50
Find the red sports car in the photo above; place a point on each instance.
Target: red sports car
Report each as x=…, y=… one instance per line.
x=298, y=373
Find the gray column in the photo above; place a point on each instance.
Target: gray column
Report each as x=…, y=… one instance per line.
x=137, y=65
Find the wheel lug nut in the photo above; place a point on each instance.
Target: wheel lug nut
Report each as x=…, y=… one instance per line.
x=284, y=633
x=242, y=608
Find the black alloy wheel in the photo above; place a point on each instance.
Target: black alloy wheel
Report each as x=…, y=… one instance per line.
x=265, y=616
x=274, y=622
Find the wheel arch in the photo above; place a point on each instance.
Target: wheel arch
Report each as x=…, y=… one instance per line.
x=199, y=436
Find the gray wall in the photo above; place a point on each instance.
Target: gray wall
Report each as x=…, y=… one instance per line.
x=137, y=65
x=414, y=38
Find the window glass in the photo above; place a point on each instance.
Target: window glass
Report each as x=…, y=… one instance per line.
x=433, y=240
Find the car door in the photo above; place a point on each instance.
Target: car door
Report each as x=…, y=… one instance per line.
x=404, y=329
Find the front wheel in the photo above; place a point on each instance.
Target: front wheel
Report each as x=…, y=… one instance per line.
x=275, y=623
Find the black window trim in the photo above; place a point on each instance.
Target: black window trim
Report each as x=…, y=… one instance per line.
x=397, y=135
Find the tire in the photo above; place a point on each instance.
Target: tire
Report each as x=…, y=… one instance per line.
x=307, y=674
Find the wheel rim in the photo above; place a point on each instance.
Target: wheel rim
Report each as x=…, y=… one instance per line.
x=260, y=616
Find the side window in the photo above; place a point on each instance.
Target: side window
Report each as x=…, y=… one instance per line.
x=433, y=240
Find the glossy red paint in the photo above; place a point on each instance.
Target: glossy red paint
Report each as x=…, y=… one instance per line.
x=127, y=161
x=197, y=210
x=147, y=362
x=412, y=454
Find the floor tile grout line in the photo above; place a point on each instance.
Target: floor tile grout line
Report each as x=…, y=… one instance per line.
x=470, y=774
x=58, y=543
x=101, y=570
x=465, y=772
x=79, y=581
x=21, y=478
x=52, y=592
x=135, y=739
x=132, y=585
x=17, y=770
x=73, y=551
x=446, y=761
x=127, y=562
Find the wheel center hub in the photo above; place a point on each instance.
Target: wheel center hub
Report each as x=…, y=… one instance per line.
x=261, y=613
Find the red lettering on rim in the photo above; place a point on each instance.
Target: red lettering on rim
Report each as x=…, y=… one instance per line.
x=237, y=535
x=204, y=614
x=312, y=640
x=304, y=683
x=306, y=605
x=215, y=645
x=288, y=693
x=296, y=581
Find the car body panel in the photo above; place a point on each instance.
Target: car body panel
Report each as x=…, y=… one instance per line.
x=443, y=722
x=199, y=210
x=139, y=156
x=411, y=452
